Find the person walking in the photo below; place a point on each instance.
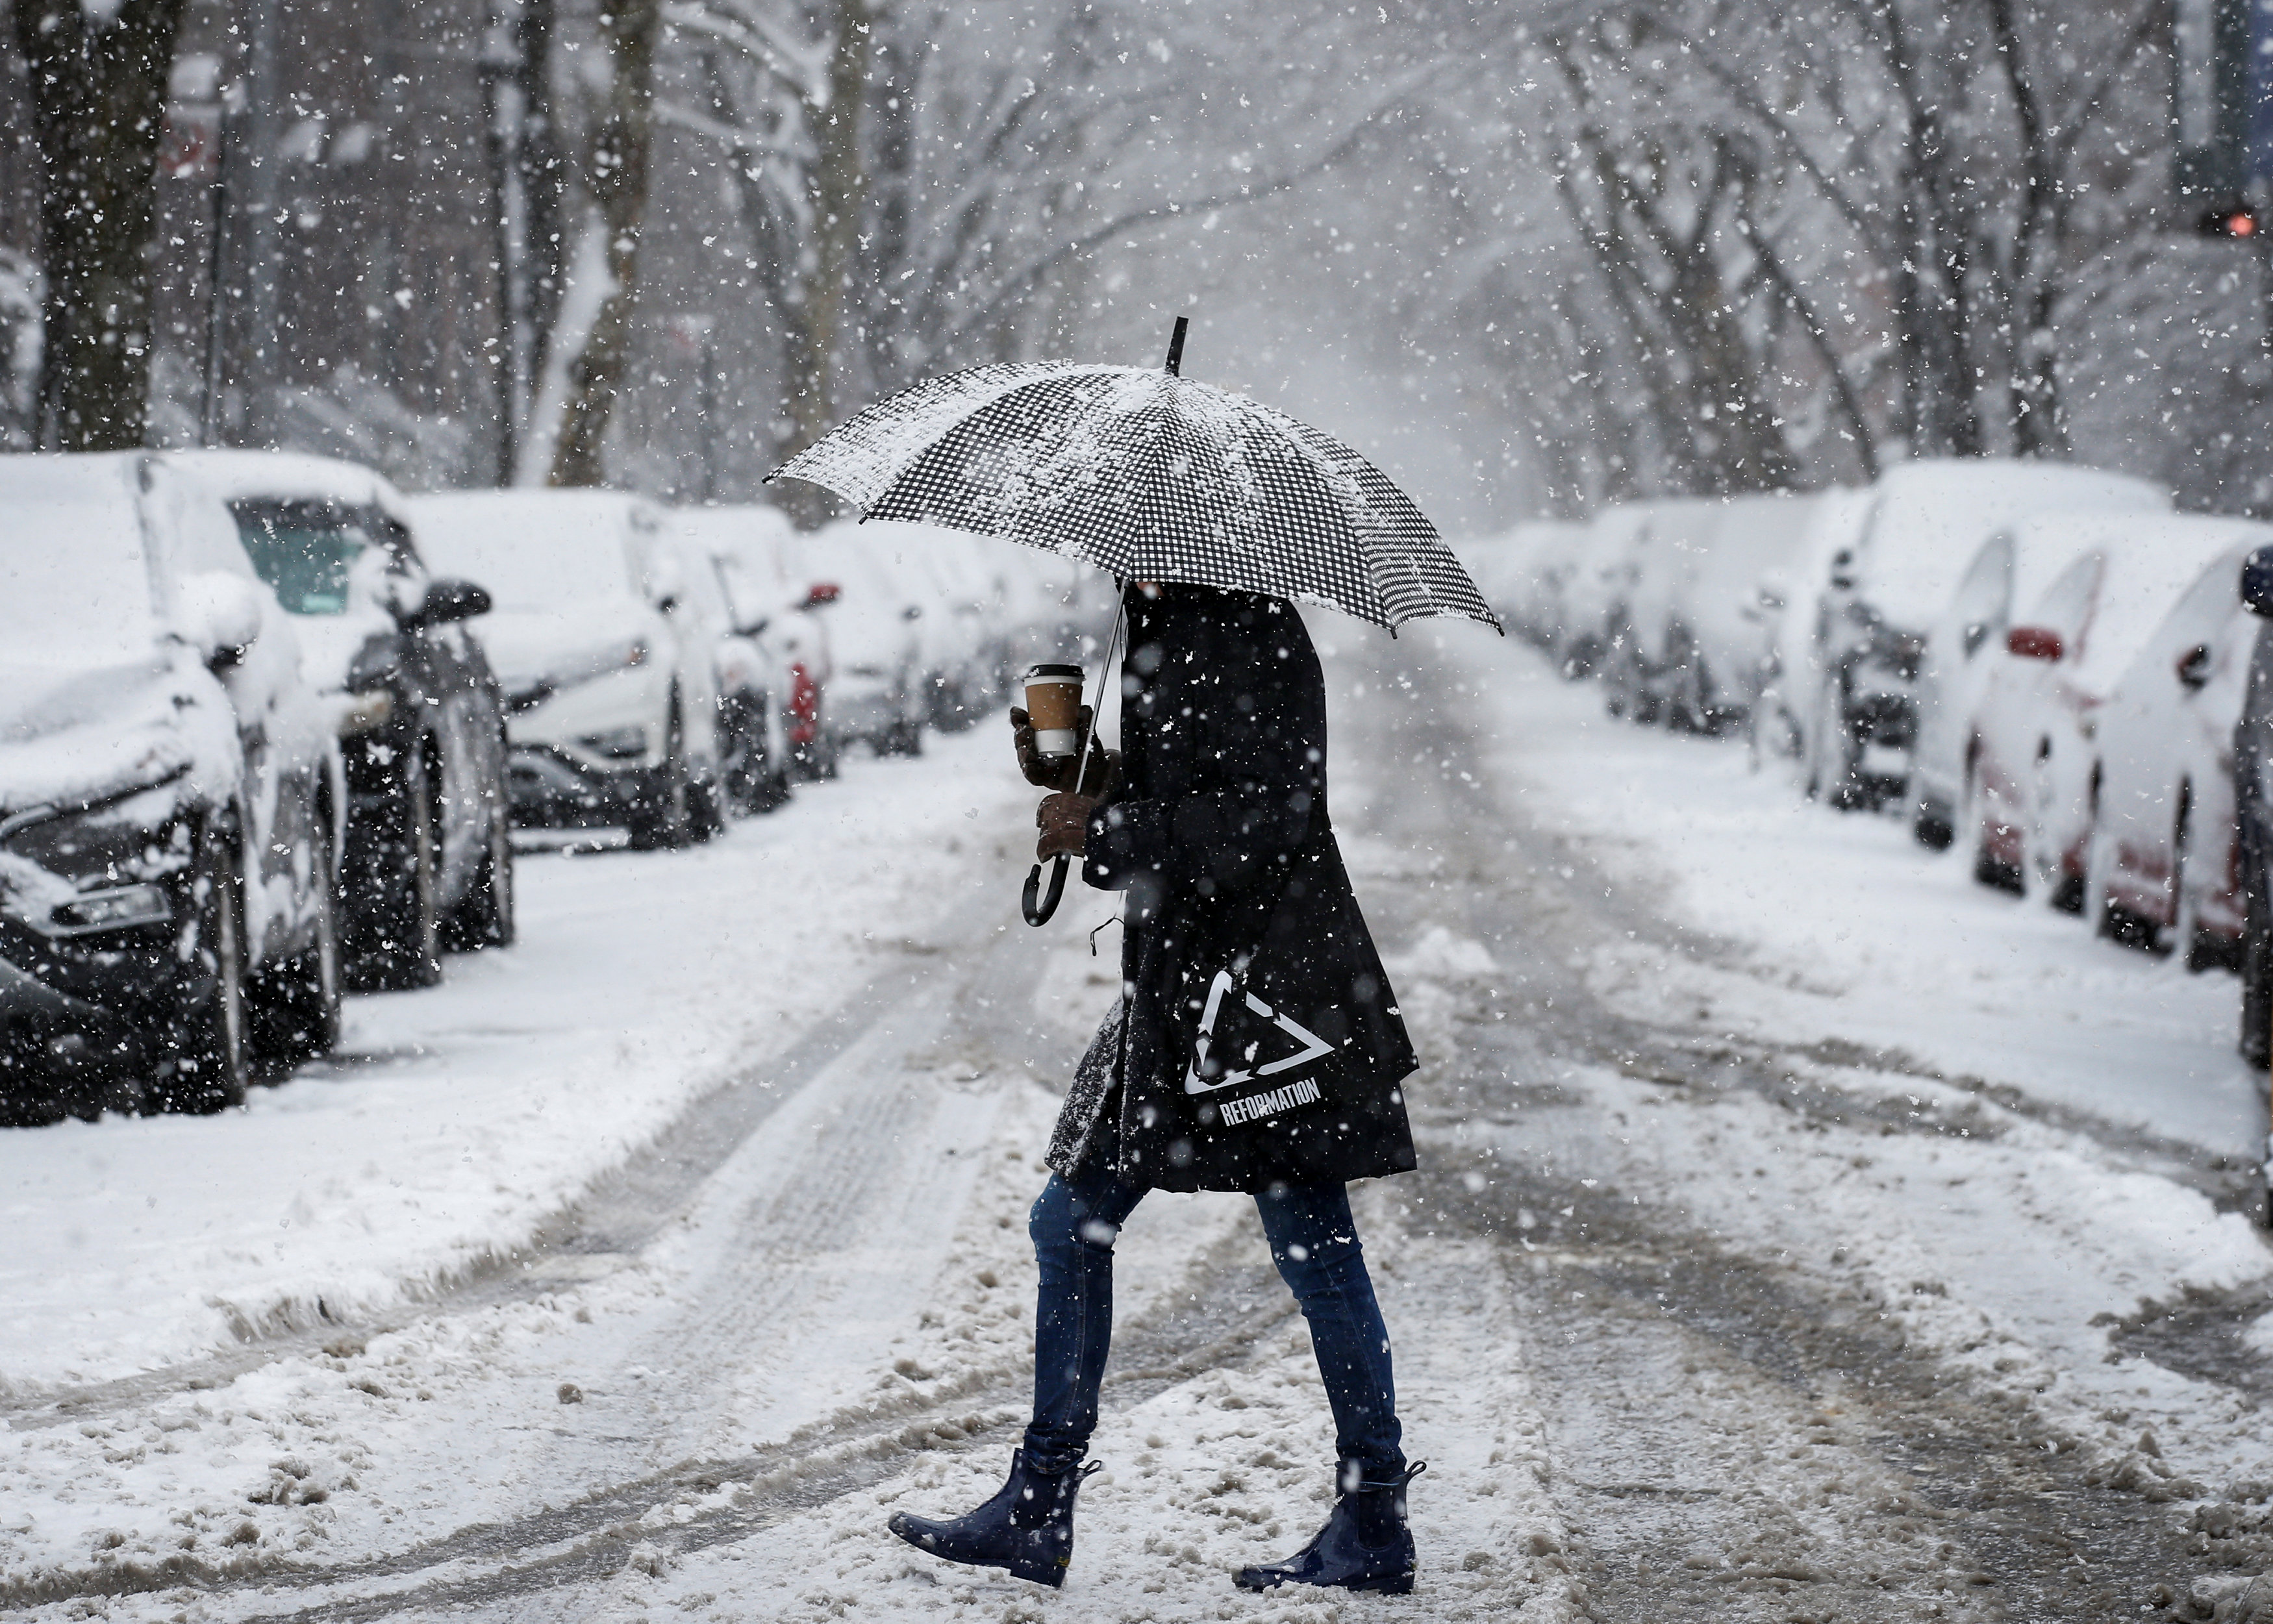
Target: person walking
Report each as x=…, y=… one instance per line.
x=1256, y=1047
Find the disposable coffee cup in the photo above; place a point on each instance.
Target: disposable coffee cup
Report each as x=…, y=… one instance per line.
x=1053, y=702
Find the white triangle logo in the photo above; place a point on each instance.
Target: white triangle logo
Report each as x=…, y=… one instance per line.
x=1312, y=1044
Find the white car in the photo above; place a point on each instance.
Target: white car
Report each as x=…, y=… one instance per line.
x=760, y=564
x=1521, y=574
x=1694, y=646
x=425, y=860
x=878, y=691
x=2165, y=865
x=2032, y=749
x=752, y=680
x=170, y=800
x=2014, y=567
x=1925, y=525
x=610, y=674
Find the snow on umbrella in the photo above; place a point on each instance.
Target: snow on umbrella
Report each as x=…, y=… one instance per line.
x=1151, y=475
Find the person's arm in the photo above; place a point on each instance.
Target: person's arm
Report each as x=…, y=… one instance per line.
x=1271, y=759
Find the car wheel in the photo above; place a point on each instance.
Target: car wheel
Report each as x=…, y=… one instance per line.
x=662, y=817
x=485, y=918
x=405, y=946
x=295, y=1007
x=706, y=811
x=212, y=1052
x=2256, y=1043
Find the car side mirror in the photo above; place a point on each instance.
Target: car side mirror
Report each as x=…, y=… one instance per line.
x=2193, y=667
x=819, y=593
x=2034, y=643
x=220, y=616
x=448, y=600
x=2257, y=581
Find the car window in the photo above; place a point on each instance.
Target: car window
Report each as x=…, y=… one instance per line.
x=306, y=551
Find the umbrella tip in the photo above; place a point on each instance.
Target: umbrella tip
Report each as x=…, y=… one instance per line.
x=1176, y=347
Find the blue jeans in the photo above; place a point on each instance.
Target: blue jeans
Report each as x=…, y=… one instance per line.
x=1313, y=1240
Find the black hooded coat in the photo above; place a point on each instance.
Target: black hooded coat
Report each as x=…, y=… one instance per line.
x=1258, y=1040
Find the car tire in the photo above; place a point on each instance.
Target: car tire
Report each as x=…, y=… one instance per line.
x=2256, y=1039
x=706, y=814
x=295, y=1007
x=662, y=817
x=484, y=918
x=213, y=1051
x=405, y=949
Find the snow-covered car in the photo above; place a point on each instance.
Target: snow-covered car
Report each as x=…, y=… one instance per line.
x=759, y=563
x=2012, y=567
x=426, y=857
x=1785, y=711
x=1708, y=577
x=610, y=677
x=878, y=691
x=2165, y=867
x=169, y=797
x=1926, y=524
x=2031, y=750
x=754, y=751
x=2253, y=794
x=1521, y=574
x=1597, y=582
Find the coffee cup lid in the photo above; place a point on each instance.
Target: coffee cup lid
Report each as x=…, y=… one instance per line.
x=1054, y=673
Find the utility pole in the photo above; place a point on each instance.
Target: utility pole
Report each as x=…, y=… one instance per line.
x=227, y=137
x=505, y=112
x=261, y=131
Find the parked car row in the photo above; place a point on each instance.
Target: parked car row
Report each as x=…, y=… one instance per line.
x=267, y=726
x=2041, y=665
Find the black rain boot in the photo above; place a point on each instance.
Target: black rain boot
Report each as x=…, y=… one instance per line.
x=1365, y=1544
x=1026, y=1528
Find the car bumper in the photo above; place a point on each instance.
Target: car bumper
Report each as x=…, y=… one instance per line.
x=551, y=789
x=50, y=1041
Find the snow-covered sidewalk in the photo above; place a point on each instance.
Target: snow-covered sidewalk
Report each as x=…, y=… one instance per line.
x=454, y=1123
x=1853, y=933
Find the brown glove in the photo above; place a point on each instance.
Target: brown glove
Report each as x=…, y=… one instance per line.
x=1064, y=819
x=1057, y=771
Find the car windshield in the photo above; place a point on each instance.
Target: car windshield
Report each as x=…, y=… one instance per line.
x=303, y=550
x=74, y=583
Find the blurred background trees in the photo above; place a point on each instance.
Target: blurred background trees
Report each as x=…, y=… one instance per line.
x=1556, y=252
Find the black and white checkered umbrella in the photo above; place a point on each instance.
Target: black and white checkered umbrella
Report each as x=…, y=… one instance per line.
x=1151, y=477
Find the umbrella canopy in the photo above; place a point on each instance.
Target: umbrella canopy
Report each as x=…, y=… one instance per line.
x=1151, y=475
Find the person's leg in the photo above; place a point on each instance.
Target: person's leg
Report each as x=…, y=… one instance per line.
x=1027, y=1528
x=1074, y=1225
x=1314, y=1243
x=1365, y=1544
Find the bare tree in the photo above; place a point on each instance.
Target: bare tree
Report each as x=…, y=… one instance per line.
x=98, y=86
x=616, y=174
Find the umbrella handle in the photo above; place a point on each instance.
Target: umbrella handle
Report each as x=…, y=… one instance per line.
x=1039, y=912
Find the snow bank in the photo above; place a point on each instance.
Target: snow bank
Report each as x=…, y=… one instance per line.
x=451, y=1125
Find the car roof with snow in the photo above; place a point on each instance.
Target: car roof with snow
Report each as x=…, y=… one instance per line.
x=287, y=477
x=537, y=549
x=1929, y=520
x=2150, y=562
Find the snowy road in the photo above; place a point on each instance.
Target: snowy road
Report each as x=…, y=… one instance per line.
x=1855, y=1253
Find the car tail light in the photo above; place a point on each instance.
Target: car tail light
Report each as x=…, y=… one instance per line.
x=2034, y=643
x=804, y=705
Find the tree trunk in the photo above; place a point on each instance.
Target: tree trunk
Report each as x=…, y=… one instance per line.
x=617, y=175
x=98, y=91
x=835, y=199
